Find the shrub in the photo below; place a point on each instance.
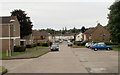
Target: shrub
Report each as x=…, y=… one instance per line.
x=29, y=46
x=83, y=43
x=111, y=43
x=77, y=43
x=45, y=44
x=38, y=44
x=19, y=49
x=34, y=44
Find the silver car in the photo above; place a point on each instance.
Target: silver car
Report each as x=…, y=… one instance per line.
x=54, y=47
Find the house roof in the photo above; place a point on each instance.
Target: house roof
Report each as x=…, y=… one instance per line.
x=72, y=34
x=28, y=37
x=6, y=19
x=91, y=30
x=40, y=33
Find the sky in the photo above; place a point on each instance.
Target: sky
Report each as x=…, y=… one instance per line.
x=57, y=14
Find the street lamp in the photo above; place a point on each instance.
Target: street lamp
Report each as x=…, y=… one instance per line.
x=10, y=47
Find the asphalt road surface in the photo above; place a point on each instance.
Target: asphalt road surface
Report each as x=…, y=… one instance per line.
x=67, y=60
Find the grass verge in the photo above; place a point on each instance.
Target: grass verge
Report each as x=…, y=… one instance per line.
x=115, y=47
x=40, y=53
x=3, y=70
x=28, y=50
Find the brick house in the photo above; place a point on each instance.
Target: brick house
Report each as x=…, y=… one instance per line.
x=41, y=36
x=98, y=33
x=64, y=36
x=9, y=33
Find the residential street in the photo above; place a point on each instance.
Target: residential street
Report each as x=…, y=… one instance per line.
x=67, y=60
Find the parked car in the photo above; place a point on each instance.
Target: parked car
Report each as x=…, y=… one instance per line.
x=89, y=44
x=70, y=44
x=54, y=47
x=100, y=46
x=60, y=41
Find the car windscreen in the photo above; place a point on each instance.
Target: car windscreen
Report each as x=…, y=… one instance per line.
x=54, y=46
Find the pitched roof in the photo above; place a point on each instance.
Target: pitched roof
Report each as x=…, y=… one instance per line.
x=40, y=33
x=71, y=34
x=91, y=30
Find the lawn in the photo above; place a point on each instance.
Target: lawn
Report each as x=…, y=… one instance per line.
x=3, y=55
x=40, y=53
x=3, y=70
x=115, y=47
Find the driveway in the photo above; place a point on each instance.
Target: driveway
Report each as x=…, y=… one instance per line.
x=67, y=60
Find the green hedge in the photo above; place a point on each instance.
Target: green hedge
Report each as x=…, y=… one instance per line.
x=19, y=49
x=31, y=45
x=111, y=43
x=46, y=44
x=80, y=43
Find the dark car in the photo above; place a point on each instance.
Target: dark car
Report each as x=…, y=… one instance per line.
x=101, y=47
x=54, y=47
x=70, y=44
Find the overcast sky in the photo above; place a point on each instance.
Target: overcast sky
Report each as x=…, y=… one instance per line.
x=57, y=14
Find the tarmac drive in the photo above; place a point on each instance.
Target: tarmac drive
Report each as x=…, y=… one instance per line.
x=67, y=60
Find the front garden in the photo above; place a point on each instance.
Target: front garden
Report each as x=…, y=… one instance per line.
x=29, y=48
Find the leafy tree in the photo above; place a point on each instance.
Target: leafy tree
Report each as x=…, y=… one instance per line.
x=25, y=23
x=114, y=22
x=83, y=29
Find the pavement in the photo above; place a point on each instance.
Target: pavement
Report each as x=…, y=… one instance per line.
x=67, y=60
x=25, y=55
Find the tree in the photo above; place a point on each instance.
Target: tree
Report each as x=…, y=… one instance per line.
x=25, y=23
x=114, y=22
x=83, y=29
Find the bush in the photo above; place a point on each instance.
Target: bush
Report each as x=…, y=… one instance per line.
x=34, y=44
x=19, y=49
x=77, y=43
x=38, y=44
x=111, y=43
x=83, y=43
x=29, y=46
x=45, y=44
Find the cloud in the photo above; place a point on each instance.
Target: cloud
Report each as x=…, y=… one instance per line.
x=59, y=14
x=57, y=0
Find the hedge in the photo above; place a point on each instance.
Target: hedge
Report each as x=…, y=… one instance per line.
x=19, y=49
x=31, y=45
x=46, y=44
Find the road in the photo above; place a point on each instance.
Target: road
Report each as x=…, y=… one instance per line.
x=67, y=60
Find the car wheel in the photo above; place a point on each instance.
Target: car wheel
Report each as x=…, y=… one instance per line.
x=108, y=49
x=95, y=49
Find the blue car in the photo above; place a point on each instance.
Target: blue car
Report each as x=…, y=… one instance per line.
x=101, y=47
